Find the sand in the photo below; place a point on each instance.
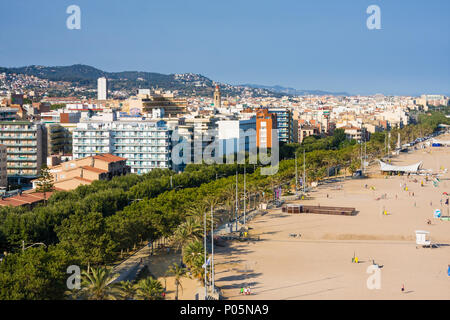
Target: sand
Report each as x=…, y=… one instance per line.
x=318, y=265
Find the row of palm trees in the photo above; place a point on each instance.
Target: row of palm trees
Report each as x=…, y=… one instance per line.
x=98, y=284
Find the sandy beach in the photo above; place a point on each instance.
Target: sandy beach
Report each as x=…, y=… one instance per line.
x=318, y=265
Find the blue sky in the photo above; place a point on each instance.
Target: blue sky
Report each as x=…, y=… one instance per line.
x=320, y=44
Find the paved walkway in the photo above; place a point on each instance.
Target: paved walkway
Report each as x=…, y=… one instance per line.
x=130, y=268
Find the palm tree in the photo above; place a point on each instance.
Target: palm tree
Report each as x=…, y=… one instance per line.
x=178, y=272
x=188, y=231
x=96, y=284
x=126, y=290
x=149, y=289
x=198, y=210
x=229, y=196
x=212, y=201
x=193, y=258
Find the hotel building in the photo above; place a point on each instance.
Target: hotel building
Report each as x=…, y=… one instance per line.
x=145, y=144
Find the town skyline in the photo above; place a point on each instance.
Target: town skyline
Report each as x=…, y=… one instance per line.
x=276, y=88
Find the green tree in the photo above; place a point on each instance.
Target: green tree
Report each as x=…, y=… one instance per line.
x=85, y=236
x=193, y=257
x=97, y=285
x=178, y=273
x=149, y=289
x=126, y=290
x=45, y=182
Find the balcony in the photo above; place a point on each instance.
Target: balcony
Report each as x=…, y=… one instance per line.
x=21, y=166
x=21, y=158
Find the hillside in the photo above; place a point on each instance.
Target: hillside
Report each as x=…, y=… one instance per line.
x=86, y=76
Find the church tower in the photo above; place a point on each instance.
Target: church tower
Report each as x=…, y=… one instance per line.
x=217, y=98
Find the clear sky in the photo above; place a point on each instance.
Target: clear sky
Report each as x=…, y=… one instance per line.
x=314, y=44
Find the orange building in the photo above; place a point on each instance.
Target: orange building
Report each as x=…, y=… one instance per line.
x=265, y=122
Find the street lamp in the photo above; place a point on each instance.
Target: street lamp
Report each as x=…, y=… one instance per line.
x=32, y=245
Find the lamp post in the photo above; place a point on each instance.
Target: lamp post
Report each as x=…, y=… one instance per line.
x=304, y=171
x=296, y=175
x=212, y=248
x=204, y=244
x=237, y=201
x=244, y=199
x=32, y=245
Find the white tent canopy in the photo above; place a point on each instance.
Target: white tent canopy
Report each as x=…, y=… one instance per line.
x=388, y=167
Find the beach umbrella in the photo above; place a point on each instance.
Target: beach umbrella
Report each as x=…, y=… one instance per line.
x=437, y=213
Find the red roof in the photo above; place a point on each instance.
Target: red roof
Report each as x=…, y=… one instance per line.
x=109, y=157
x=24, y=199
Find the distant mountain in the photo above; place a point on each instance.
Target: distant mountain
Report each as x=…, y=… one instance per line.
x=86, y=76
x=295, y=92
x=187, y=83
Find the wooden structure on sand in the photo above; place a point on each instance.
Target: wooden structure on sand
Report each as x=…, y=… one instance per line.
x=299, y=208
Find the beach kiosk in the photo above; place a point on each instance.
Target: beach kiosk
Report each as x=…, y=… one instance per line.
x=421, y=238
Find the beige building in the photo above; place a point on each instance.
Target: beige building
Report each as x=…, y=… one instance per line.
x=163, y=103
x=71, y=174
x=305, y=131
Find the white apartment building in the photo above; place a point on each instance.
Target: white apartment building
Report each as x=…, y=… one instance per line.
x=236, y=136
x=145, y=144
x=102, y=88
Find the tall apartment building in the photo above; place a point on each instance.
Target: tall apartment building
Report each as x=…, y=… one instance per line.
x=102, y=88
x=59, y=139
x=199, y=133
x=145, y=144
x=265, y=122
x=3, y=170
x=284, y=124
x=236, y=136
x=26, y=149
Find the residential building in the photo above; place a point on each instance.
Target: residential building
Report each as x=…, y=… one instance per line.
x=306, y=131
x=71, y=174
x=59, y=139
x=26, y=149
x=3, y=167
x=102, y=88
x=8, y=114
x=284, y=124
x=172, y=106
x=146, y=144
x=236, y=136
x=265, y=122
